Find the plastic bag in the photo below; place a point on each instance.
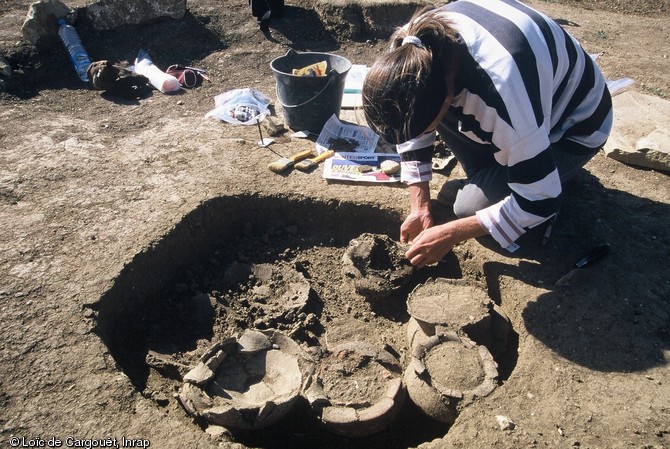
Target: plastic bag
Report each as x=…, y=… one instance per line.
x=240, y=106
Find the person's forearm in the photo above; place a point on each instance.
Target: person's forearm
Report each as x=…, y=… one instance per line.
x=466, y=228
x=419, y=197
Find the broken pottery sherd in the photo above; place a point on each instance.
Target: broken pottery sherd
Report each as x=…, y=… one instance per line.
x=376, y=265
x=356, y=389
x=254, y=381
x=448, y=372
x=279, y=290
x=253, y=341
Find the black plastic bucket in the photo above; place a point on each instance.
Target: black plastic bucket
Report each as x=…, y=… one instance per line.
x=308, y=102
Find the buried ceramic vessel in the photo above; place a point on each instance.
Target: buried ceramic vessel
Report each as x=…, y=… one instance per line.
x=376, y=266
x=246, y=383
x=448, y=372
x=356, y=389
x=455, y=305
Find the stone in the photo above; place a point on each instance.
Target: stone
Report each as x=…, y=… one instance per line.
x=273, y=126
x=505, y=423
x=108, y=14
x=5, y=68
x=41, y=23
x=641, y=131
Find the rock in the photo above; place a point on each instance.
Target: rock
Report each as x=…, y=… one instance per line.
x=505, y=423
x=5, y=68
x=273, y=126
x=41, y=24
x=376, y=19
x=389, y=167
x=641, y=132
x=108, y=14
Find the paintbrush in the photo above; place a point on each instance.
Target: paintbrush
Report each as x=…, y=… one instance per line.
x=309, y=164
x=285, y=163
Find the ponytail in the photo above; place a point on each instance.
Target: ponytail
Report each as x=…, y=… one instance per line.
x=406, y=88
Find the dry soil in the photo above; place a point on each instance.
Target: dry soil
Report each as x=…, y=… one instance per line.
x=126, y=225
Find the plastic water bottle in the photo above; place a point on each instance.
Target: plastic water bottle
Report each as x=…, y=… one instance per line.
x=78, y=55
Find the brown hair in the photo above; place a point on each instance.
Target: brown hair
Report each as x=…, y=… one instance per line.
x=405, y=89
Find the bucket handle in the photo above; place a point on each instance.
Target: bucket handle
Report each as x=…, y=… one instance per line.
x=332, y=75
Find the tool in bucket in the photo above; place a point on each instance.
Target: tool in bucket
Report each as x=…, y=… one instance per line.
x=285, y=163
x=309, y=164
x=309, y=101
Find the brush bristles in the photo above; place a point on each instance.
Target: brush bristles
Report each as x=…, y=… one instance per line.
x=304, y=165
x=280, y=165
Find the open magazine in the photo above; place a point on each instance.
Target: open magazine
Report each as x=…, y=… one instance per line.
x=360, y=167
x=357, y=157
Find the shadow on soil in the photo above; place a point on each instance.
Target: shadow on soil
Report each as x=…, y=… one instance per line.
x=615, y=315
x=290, y=30
x=49, y=67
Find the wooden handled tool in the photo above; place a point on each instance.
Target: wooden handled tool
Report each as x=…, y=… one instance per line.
x=309, y=164
x=285, y=163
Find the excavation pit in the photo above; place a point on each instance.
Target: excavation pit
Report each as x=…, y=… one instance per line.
x=242, y=263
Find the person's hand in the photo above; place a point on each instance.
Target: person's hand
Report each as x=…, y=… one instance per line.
x=414, y=224
x=433, y=243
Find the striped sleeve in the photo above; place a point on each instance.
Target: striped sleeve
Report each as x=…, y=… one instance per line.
x=526, y=84
x=413, y=167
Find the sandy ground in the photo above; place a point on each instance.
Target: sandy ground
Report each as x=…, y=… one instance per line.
x=117, y=215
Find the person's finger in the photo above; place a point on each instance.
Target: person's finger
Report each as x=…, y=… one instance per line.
x=420, y=261
x=411, y=252
x=416, y=257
